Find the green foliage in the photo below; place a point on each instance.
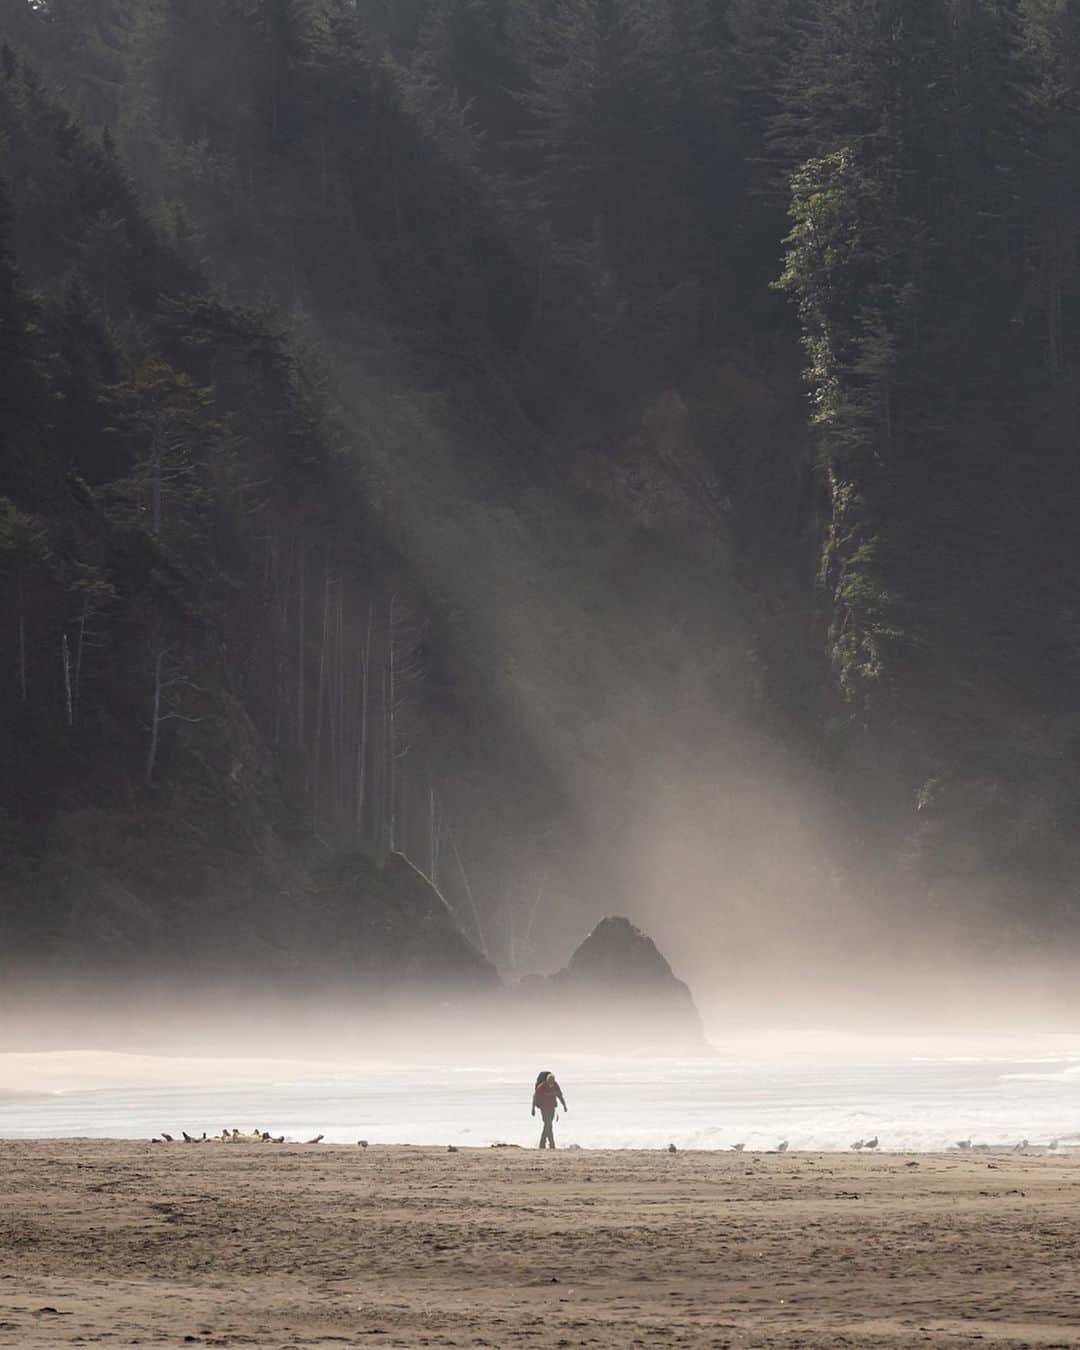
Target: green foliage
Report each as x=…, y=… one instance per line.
x=840, y=267
x=508, y=234
x=141, y=430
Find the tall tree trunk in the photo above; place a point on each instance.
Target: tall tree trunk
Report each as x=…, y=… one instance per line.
x=274, y=122
x=391, y=727
x=341, y=759
x=1053, y=314
x=383, y=762
x=316, y=758
x=155, y=486
x=23, y=691
x=79, y=659
x=155, y=717
x=434, y=824
x=65, y=656
x=362, y=744
x=468, y=891
x=322, y=151
x=283, y=585
x=401, y=816
x=300, y=683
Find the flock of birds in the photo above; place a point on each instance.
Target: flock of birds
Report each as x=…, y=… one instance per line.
x=1018, y=1147
x=265, y=1137
x=238, y=1137
x=859, y=1145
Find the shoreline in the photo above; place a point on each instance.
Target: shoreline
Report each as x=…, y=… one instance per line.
x=919, y=1103
x=1067, y=1145
x=118, y=1242
x=1066, y=1148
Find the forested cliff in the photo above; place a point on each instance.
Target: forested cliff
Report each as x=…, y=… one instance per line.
x=587, y=446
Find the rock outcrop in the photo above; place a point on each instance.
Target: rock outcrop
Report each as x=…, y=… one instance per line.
x=351, y=928
x=618, y=989
x=389, y=925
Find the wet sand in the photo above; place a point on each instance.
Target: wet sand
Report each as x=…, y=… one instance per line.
x=115, y=1243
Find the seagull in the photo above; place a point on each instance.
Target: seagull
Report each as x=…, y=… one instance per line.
x=858, y=1144
x=782, y=1147
x=737, y=1148
x=451, y=1148
x=187, y=1138
x=167, y=1137
x=963, y=1143
x=1017, y=1148
x=317, y=1140
x=362, y=1143
x=871, y=1143
x=672, y=1149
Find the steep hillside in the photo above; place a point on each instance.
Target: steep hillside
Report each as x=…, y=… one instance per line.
x=617, y=449
x=183, y=726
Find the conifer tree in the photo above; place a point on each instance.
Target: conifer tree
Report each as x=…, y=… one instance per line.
x=1051, y=184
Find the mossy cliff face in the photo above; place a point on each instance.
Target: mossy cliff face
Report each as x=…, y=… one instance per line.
x=351, y=927
x=388, y=924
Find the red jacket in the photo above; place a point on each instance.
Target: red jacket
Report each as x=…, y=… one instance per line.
x=546, y=1095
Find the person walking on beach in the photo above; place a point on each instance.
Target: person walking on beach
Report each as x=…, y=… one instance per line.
x=545, y=1096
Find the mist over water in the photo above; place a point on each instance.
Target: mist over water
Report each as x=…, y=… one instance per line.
x=815, y=1090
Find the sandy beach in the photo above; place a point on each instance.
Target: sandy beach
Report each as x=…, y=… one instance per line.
x=121, y=1243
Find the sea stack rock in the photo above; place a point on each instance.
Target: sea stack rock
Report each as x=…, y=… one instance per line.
x=618, y=987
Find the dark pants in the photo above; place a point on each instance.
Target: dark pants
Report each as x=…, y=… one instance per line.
x=547, y=1135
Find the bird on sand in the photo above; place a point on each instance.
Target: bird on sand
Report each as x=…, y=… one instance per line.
x=782, y=1147
x=858, y=1144
x=317, y=1140
x=451, y=1148
x=963, y=1143
x=362, y=1143
x=167, y=1137
x=1018, y=1148
x=737, y=1148
x=871, y=1143
x=672, y=1149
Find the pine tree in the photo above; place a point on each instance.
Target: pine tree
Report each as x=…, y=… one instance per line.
x=19, y=377
x=1051, y=186
x=626, y=147
x=283, y=31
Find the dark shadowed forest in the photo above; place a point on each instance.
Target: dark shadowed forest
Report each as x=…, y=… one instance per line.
x=620, y=454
